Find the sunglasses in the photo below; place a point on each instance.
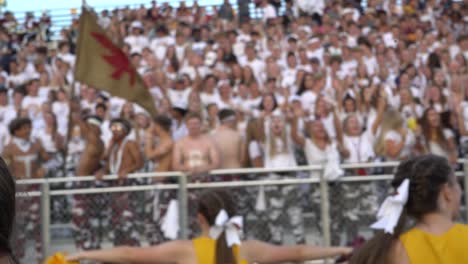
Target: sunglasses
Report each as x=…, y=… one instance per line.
x=116, y=128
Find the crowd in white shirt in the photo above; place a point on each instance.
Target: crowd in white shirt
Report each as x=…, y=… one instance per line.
x=383, y=82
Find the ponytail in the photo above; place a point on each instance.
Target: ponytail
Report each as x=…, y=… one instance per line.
x=224, y=254
x=379, y=248
x=5, y=249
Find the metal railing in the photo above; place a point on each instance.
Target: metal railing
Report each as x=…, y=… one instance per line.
x=183, y=186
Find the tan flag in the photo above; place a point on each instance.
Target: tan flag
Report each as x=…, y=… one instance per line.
x=102, y=64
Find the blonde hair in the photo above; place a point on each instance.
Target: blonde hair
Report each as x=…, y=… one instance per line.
x=392, y=120
x=272, y=141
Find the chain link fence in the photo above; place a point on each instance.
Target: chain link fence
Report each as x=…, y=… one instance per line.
x=282, y=207
x=27, y=234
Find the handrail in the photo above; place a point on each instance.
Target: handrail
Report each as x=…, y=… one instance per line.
x=214, y=172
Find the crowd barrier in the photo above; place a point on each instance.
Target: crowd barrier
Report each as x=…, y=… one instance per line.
x=308, y=189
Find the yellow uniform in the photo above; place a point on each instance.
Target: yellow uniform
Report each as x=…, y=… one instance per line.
x=448, y=248
x=205, y=249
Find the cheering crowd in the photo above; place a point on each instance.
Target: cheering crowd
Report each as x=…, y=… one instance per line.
x=309, y=82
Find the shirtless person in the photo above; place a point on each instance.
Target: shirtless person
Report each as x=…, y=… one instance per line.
x=161, y=154
x=123, y=157
x=89, y=209
x=94, y=148
x=228, y=140
x=195, y=154
x=24, y=157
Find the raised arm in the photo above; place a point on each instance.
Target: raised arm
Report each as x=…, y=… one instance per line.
x=260, y=252
x=298, y=139
x=338, y=126
x=155, y=152
x=381, y=105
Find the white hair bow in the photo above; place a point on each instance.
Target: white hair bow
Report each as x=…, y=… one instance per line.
x=231, y=227
x=391, y=209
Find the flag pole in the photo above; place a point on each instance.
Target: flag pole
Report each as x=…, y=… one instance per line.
x=70, y=125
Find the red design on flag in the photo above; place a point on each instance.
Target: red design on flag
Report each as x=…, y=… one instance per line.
x=118, y=59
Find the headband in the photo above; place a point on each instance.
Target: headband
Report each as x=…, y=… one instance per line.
x=93, y=121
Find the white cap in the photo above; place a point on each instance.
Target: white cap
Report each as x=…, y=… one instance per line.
x=137, y=24
x=425, y=18
x=313, y=40
x=346, y=11
x=210, y=58
x=277, y=113
x=305, y=29
x=294, y=97
x=366, y=31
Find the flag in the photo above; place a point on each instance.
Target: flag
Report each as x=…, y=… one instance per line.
x=103, y=65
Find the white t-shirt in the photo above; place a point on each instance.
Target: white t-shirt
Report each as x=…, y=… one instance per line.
x=231, y=104
x=317, y=156
x=360, y=148
x=44, y=92
x=284, y=156
x=371, y=65
x=289, y=79
x=269, y=12
x=178, y=131
x=407, y=111
x=33, y=104
x=46, y=141
x=61, y=111
x=17, y=79
x=348, y=68
x=179, y=96
x=137, y=43
x=68, y=58
x=207, y=98
x=255, y=150
x=4, y=137
x=7, y=113
x=308, y=99
x=329, y=124
x=257, y=66
x=159, y=46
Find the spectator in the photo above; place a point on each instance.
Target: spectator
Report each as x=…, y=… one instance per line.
x=226, y=12
x=24, y=156
x=437, y=139
x=195, y=153
x=228, y=141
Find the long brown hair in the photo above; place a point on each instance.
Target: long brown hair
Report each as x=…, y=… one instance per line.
x=211, y=203
x=426, y=130
x=427, y=174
